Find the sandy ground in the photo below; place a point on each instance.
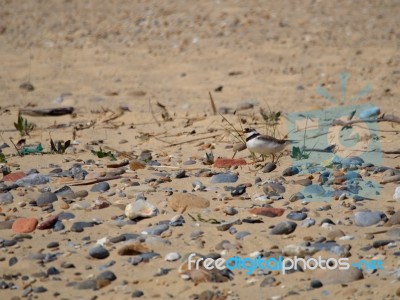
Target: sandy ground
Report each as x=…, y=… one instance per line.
x=113, y=53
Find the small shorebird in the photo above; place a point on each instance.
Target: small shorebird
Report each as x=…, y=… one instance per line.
x=263, y=144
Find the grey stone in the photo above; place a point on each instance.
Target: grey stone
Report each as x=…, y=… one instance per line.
x=100, y=187
x=224, y=178
x=99, y=252
x=45, y=199
x=285, y=227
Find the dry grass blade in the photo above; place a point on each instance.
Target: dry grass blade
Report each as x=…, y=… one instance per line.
x=214, y=109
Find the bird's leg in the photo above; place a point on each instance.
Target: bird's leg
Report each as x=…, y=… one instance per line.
x=273, y=158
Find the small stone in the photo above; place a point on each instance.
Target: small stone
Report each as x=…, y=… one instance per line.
x=106, y=275
x=6, y=198
x=81, y=194
x=230, y=211
x=267, y=281
x=226, y=225
x=228, y=162
x=394, y=219
x=382, y=243
x=24, y=225
x=394, y=233
x=315, y=284
x=12, y=261
x=65, y=192
x=224, y=178
x=396, y=195
x=99, y=252
x=290, y=171
x=180, y=174
x=182, y=201
x=308, y=223
x=45, y=199
x=367, y=218
x=52, y=245
x=13, y=176
x=48, y=223
x=333, y=235
x=79, y=226
x=172, y=256
x=135, y=165
x=137, y=294
x=52, y=271
x=313, y=189
x=239, y=190
x=296, y=216
x=269, y=167
x=273, y=187
x=267, y=211
x=27, y=86
x=338, y=276
x=241, y=235
x=100, y=187
x=156, y=230
x=285, y=227
x=32, y=180
x=140, y=209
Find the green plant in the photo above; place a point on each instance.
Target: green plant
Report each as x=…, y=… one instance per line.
x=271, y=119
x=23, y=126
x=60, y=147
x=101, y=154
x=2, y=158
x=299, y=153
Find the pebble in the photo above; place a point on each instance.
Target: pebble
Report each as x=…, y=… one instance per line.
x=338, y=276
x=180, y=174
x=273, y=187
x=269, y=167
x=367, y=218
x=315, y=284
x=394, y=219
x=381, y=243
x=137, y=294
x=140, y=209
x=65, y=192
x=394, y=233
x=308, y=223
x=224, y=178
x=183, y=201
x=241, y=235
x=226, y=225
x=100, y=187
x=267, y=281
x=285, y=227
x=396, y=195
x=239, y=190
x=99, y=252
x=334, y=234
x=172, y=256
x=296, y=215
x=79, y=226
x=313, y=189
x=290, y=171
x=228, y=162
x=156, y=230
x=24, y=225
x=6, y=198
x=230, y=211
x=267, y=211
x=32, y=180
x=106, y=275
x=45, y=199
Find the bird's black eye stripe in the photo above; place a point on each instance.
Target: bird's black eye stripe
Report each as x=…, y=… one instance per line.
x=255, y=134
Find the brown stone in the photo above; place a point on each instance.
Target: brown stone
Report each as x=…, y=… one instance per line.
x=136, y=165
x=267, y=211
x=183, y=201
x=13, y=176
x=228, y=162
x=24, y=225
